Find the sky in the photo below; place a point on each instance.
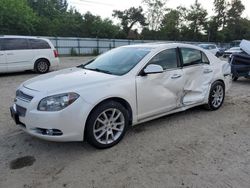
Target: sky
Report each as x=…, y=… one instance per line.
x=104, y=8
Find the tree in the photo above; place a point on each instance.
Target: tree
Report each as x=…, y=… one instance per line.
x=52, y=15
x=130, y=17
x=170, y=25
x=16, y=17
x=234, y=19
x=197, y=20
x=49, y=8
x=155, y=13
x=220, y=9
x=94, y=26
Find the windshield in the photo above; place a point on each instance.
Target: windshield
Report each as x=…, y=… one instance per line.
x=204, y=46
x=207, y=46
x=118, y=61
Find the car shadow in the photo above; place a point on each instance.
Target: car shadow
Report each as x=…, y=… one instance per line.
x=18, y=73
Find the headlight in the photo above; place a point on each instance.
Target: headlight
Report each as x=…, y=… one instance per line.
x=57, y=102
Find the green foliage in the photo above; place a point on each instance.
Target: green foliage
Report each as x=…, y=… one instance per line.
x=130, y=17
x=155, y=12
x=170, y=25
x=197, y=20
x=16, y=17
x=55, y=18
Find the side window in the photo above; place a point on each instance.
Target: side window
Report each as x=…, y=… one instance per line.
x=1, y=44
x=38, y=44
x=167, y=59
x=204, y=58
x=191, y=56
x=15, y=44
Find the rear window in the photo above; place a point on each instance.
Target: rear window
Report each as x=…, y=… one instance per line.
x=15, y=44
x=38, y=44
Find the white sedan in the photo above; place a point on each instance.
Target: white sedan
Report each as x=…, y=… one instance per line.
x=126, y=86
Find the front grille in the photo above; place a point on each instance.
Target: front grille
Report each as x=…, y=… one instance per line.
x=21, y=111
x=22, y=96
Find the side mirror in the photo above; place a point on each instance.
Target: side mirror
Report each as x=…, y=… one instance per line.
x=153, y=69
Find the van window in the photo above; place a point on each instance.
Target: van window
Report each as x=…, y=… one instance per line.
x=38, y=44
x=15, y=44
x=1, y=44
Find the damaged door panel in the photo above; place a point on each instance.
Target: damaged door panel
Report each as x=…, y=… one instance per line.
x=162, y=92
x=198, y=76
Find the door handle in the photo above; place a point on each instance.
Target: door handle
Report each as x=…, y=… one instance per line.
x=10, y=54
x=1, y=54
x=176, y=76
x=206, y=71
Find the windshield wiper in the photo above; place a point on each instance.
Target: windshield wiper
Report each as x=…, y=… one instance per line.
x=98, y=70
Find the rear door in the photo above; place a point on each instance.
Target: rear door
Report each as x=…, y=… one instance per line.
x=19, y=55
x=198, y=75
x=3, y=66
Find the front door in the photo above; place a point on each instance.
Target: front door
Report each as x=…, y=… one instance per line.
x=161, y=92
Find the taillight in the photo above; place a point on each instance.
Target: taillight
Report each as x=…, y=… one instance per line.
x=56, y=53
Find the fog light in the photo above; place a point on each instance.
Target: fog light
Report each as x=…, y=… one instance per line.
x=49, y=132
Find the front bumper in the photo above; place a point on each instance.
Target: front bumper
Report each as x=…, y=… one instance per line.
x=62, y=126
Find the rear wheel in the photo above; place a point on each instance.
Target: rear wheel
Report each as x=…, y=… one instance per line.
x=107, y=125
x=216, y=96
x=42, y=66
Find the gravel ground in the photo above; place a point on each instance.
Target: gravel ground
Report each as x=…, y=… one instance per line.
x=195, y=148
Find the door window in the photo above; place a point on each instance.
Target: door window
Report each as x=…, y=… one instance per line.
x=15, y=44
x=1, y=44
x=204, y=58
x=191, y=56
x=38, y=44
x=167, y=59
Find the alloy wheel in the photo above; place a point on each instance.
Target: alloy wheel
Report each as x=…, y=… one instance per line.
x=217, y=96
x=109, y=126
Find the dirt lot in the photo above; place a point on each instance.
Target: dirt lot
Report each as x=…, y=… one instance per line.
x=196, y=148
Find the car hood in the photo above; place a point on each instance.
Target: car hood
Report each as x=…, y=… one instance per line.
x=66, y=79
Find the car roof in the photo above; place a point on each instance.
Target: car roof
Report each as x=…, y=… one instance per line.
x=17, y=36
x=205, y=44
x=162, y=45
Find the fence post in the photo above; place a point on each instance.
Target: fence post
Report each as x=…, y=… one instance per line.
x=78, y=43
x=113, y=43
x=56, y=39
x=97, y=42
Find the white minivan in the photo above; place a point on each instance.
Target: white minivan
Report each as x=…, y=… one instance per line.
x=19, y=53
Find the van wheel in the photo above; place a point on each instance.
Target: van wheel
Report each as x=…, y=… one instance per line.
x=42, y=66
x=107, y=125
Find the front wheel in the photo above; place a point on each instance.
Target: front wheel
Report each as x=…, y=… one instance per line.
x=107, y=125
x=216, y=96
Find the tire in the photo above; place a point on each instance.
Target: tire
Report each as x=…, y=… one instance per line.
x=235, y=78
x=216, y=96
x=42, y=66
x=107, y=124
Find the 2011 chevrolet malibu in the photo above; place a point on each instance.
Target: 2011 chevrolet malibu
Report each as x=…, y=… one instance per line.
x=126, y=86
